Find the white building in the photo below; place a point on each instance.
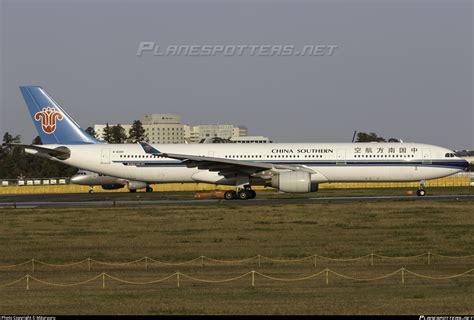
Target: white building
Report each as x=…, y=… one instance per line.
x=197, y=133
x=167, y=128
x=161, y=118
x=159, y=128
x=250, y=139
x=163, y=128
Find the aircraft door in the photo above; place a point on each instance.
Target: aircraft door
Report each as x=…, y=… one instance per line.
x=341, y=157
x=426, y=156
x=105, y=156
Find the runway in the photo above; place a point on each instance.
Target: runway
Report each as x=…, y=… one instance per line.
x=120, y=199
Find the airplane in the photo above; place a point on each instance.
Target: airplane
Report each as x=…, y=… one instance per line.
x=288, y=167
x=91, y=179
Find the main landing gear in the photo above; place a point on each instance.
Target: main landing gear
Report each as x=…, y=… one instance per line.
x=242, y=193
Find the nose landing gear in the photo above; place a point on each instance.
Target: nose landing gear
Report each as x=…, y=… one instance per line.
x=421, y=189
x=421, y=192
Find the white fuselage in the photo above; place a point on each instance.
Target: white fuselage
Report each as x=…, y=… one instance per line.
x=334, y=162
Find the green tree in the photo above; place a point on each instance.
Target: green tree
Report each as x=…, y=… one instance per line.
x=16, y=163
x=369, y=137
x=137, y=132
x=373, y=137
x=10, y=165
x=220, y=140
x=118, y=134
x=107, y=133
x=8, y=138
x=37, y=140
x=91, y=131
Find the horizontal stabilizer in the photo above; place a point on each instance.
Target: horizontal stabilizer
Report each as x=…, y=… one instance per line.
x=61, y=153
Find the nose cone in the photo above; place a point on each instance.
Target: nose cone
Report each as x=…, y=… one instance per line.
x=78, y=179
x=466, y=164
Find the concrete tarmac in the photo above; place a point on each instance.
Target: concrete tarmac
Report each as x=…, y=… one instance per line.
x=121, y=199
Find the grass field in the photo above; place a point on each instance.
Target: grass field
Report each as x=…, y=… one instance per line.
x=179, y=233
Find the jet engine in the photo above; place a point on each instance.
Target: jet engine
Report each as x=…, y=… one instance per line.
x=294, y=182
x=112, y=186
x=134, y=185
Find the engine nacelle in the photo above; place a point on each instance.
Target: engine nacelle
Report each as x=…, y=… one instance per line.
x=134, y=185
x=294, y=182
x=112, y=186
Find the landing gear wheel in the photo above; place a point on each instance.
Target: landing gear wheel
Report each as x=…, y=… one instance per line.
x=133, y=190
x=230, y=195
x=91, y=191
x=252, y=193
x=149, y=189
x=244, y=195
x=421, y=192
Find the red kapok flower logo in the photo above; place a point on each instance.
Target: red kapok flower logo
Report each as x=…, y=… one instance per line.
x=48, y=117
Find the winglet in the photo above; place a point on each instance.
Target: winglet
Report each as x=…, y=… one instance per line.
x=149, y=149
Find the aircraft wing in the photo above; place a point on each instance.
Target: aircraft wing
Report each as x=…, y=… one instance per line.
x=225, y=167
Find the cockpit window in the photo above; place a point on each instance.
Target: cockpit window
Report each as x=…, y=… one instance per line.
x=449, y=155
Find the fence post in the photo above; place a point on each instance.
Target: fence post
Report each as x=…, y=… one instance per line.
x=27, y=282
x=259, y=261
x=89, y=264
x=177, y=278
x=315, y=261
x=253, y=278
x=403, y=275
x=429, y=257
x=33, y=265
x=371, y=259
x=103, y=280
x=202, y=261
x=327, y=276
x=146, y=263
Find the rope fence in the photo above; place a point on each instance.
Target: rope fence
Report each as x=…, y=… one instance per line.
x=178, y=275
x=258, y=258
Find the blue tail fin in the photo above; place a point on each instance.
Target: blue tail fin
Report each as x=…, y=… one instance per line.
x=53, y=124
x=149, y=149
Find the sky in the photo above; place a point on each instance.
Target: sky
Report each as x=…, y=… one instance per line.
x=402, y=69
